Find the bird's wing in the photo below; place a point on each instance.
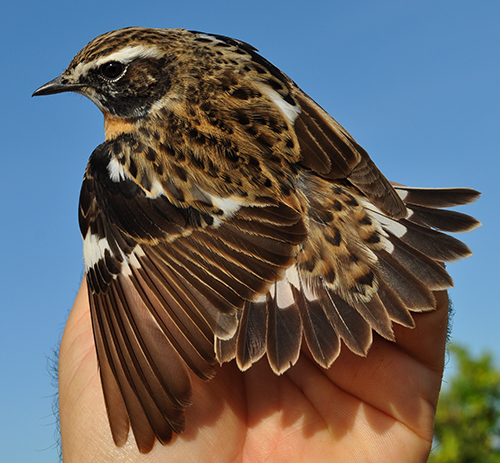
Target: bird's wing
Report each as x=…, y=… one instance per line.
x=325, y=146
x=162, y=282
x=328, y=149
x=359, y=271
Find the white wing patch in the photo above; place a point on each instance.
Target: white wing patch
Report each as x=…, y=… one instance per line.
x=94, y=250
x=156, y=189
x=281, y=290
x=387, y=225
x=284, y=294
x=228, y=205
x=390, y=225
x=294, y=279
x=131, y=260
x=116, y=171
x=210, y=37
x=289, y=111
x=402, y=193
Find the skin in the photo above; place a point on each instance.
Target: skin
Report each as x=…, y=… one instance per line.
x=375, y=409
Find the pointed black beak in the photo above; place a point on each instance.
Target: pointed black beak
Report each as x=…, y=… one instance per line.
x=58, y=85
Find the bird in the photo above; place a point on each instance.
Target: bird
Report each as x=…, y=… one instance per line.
x=227, y=216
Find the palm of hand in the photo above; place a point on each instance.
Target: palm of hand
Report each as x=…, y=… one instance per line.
x=379, y=408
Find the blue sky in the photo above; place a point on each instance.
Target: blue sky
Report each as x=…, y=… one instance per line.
x=416, y=83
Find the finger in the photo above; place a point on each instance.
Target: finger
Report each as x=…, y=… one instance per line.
x=427, y=341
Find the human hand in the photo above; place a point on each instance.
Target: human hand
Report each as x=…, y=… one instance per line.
x=379, y=408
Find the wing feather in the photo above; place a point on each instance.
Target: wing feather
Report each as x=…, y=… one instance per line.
x=320, y=334
x=437, y=197
x=348, y=322
x=326, y=146
x=165, y=286
x=252, y=334
x=284, y=332
x=328, y=149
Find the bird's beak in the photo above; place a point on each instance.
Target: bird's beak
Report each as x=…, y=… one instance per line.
x=58, y=85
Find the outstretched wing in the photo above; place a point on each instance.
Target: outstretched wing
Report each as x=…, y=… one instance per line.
x=359, y=271
x=163, y=281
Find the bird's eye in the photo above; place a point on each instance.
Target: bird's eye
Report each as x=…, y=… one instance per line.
x=112, y=70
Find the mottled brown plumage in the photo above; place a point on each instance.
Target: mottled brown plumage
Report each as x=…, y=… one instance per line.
x=228, y=216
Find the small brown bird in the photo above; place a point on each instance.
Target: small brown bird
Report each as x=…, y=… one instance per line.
x=228, y=216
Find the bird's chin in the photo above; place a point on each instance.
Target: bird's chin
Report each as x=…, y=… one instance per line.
x=93, y=96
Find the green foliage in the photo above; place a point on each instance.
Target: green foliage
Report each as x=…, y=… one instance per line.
x=467, y=427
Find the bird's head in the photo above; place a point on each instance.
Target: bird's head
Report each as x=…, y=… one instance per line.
x=122, y=72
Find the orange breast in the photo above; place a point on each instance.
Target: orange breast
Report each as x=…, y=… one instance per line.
x=114, y=126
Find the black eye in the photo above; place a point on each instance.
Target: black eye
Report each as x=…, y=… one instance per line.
x=112, y=70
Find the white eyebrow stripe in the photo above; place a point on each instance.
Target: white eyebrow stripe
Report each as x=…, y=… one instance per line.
x=125, y=55
x=130, y=53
